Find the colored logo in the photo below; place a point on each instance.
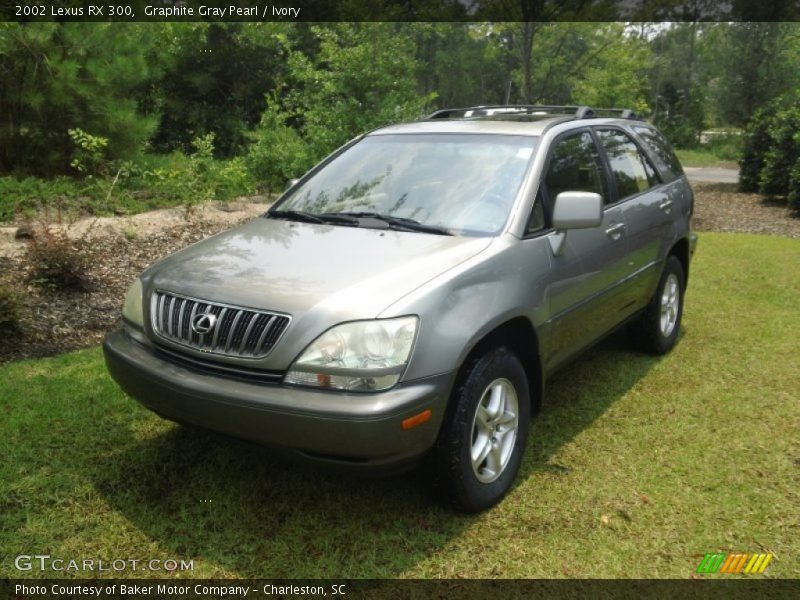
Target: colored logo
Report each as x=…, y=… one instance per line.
x=734, y=563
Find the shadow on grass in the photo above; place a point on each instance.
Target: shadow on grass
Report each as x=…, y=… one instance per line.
x=240, y=508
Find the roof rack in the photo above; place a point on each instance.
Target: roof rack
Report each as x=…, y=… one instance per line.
x=579, y=112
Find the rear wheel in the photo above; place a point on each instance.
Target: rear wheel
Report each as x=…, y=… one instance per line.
x=482, y=441
x=657, y=329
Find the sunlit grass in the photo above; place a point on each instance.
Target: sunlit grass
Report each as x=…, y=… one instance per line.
x=636, y=467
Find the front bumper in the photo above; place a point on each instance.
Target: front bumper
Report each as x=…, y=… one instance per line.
x=360, y=431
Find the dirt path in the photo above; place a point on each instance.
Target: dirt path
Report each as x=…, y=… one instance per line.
x=711, y=175
x=224, y=214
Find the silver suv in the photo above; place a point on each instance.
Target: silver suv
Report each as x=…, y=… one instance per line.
x=408, y=297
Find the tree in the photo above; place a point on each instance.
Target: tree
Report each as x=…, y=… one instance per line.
x=216, y=82
x=363, y=76
x=55, y=77
x=753, y=63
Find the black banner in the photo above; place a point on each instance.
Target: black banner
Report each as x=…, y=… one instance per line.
x=357, y=589
x=396, y=10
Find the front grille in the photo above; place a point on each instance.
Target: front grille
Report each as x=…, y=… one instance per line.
x=236, y=331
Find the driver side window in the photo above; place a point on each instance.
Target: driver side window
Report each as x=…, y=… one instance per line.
x=575, y=166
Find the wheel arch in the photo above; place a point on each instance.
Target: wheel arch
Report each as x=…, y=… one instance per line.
x=680, y=250
x=519, y=335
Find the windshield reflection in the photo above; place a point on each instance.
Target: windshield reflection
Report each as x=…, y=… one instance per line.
x=464, y=182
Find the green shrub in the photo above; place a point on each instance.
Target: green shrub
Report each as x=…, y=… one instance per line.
x=89, y=152
x=9, y=309
x=756, y=143
x=58, y=261
x=783, y=153
x=231, y=178
x=794, y=187
x=277, y=153
x=25, y=196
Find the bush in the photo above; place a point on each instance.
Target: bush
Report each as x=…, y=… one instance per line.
x=277, y=153
x=58, y=261
x=231, y=178
x=9, y=309
x=757, y=141
x=794, y=187
x=25, y=196
x=783, y=153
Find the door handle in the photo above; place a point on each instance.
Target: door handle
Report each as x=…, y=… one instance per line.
x=666, y=206
x=615, y=231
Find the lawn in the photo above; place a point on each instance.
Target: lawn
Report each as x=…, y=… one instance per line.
x=702, y=157
x=636, y=467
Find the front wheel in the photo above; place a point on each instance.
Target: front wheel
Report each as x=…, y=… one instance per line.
x=483, y=438
x=657, y=329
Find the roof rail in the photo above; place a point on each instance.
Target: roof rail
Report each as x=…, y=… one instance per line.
x=502, y=109
x=579, y=112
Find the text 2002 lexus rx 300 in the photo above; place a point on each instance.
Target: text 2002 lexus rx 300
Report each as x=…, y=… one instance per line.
x=408, y=296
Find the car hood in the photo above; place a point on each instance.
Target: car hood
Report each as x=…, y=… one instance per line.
x=294, y=267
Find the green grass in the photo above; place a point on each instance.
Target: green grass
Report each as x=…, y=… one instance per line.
x=636, y=467
x=701, y=157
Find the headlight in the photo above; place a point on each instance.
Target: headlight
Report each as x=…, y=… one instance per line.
x=132, y=310
x=359, y=356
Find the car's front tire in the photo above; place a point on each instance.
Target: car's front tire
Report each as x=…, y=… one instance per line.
x=656, y=331
x=480, y=447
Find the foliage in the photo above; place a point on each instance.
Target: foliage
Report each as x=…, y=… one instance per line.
x=757, y=141
x=9, y=309
x=214, y=82
x=122, y=106
x=794, y=187
x=60, y=76
x=23, y=196
x=616, y=77
x=277, y=153
x=752, y=62
x=678, y=83
x=89, y=153
x=363, y=76
x=783, y=152
x=59, y=261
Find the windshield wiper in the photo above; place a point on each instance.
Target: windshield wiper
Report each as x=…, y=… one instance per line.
x=294, y=215
x=401, y=223
x=307, y=217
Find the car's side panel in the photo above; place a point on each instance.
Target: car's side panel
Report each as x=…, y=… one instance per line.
x=583, y=294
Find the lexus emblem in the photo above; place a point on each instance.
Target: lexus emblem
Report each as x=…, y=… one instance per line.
x=204, y=323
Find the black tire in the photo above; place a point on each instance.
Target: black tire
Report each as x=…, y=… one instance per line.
x=649, y=334
x=450, y=465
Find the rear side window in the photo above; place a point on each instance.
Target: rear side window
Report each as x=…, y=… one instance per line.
x=630, y=168
x=665, y=157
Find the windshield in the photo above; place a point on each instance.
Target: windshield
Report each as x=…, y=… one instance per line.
x=463, y=182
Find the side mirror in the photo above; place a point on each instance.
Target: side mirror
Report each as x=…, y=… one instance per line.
x=574, y=210
x=291, y=184
x=577, y=210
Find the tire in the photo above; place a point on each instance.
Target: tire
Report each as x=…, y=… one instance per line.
x=493, y=380
x=656, y=331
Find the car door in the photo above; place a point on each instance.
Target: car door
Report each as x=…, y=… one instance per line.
x=646, y=205
x=581, y=290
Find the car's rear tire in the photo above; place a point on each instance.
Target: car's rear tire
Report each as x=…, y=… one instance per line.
x=656, y=331
x=480, y=446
